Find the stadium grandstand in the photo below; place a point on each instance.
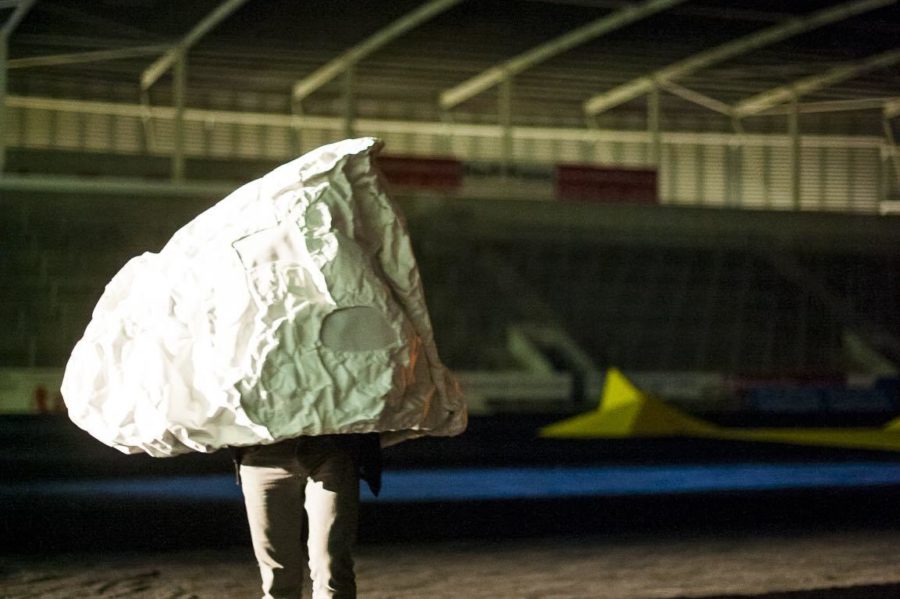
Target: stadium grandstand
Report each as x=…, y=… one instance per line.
x=662, y=186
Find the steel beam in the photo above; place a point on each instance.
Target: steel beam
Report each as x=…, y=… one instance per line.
x=620, y=18
x=329, y=71
x=4, y=52
x=696, y=97
x=167, y=60
x=728, y=12
x=807, y=85
x=19, y=13
x=83, y=57
x=833, y=106
x=437, y=128
x=641, y=85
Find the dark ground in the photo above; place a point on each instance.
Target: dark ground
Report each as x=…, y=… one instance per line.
x=829, y=543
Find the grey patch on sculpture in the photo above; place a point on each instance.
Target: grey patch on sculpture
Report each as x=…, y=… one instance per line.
x=358, y=328
x=281, y=243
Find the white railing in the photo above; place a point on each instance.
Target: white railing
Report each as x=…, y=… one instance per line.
x=838, y=172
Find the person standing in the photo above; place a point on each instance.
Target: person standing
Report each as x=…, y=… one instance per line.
x=316, y=477
x=288, y=321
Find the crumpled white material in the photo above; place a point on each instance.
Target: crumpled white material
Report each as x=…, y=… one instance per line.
x=292, y=307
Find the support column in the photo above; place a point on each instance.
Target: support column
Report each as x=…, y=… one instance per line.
x=180, y=87
x=736, y=163
x=349, y=101
x=653, y=126
x=505, y=113
x=794, y=133
x=149, y=138
x=891, y=159
x=297, y=127
x=4, y=54
x=592, y=123
x=445, y=143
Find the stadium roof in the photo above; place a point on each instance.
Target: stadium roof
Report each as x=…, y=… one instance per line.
x=565, y=60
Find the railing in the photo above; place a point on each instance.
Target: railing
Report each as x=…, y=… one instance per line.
x=838, y=172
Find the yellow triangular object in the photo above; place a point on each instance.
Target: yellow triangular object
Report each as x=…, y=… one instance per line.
x=626, y=411
x=858, y=438
x=881, y=439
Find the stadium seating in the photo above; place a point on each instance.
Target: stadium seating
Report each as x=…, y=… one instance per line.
x=657, y=304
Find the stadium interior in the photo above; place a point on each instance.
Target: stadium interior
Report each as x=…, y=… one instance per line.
x=704, y=195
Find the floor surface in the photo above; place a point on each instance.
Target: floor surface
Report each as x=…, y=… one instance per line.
x=826, y=565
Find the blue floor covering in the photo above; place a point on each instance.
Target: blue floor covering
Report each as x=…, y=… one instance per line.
x=473, y=484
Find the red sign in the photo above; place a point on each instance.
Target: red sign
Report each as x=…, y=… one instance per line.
x=426, y=173
x=597, y=184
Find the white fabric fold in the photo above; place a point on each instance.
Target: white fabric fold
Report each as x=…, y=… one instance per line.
x=292, y=307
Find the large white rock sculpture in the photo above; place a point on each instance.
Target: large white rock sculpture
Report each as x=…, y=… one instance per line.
x=292, y=307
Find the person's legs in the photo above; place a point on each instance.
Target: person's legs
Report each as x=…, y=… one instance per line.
x=332, y=508
x=273, y=487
